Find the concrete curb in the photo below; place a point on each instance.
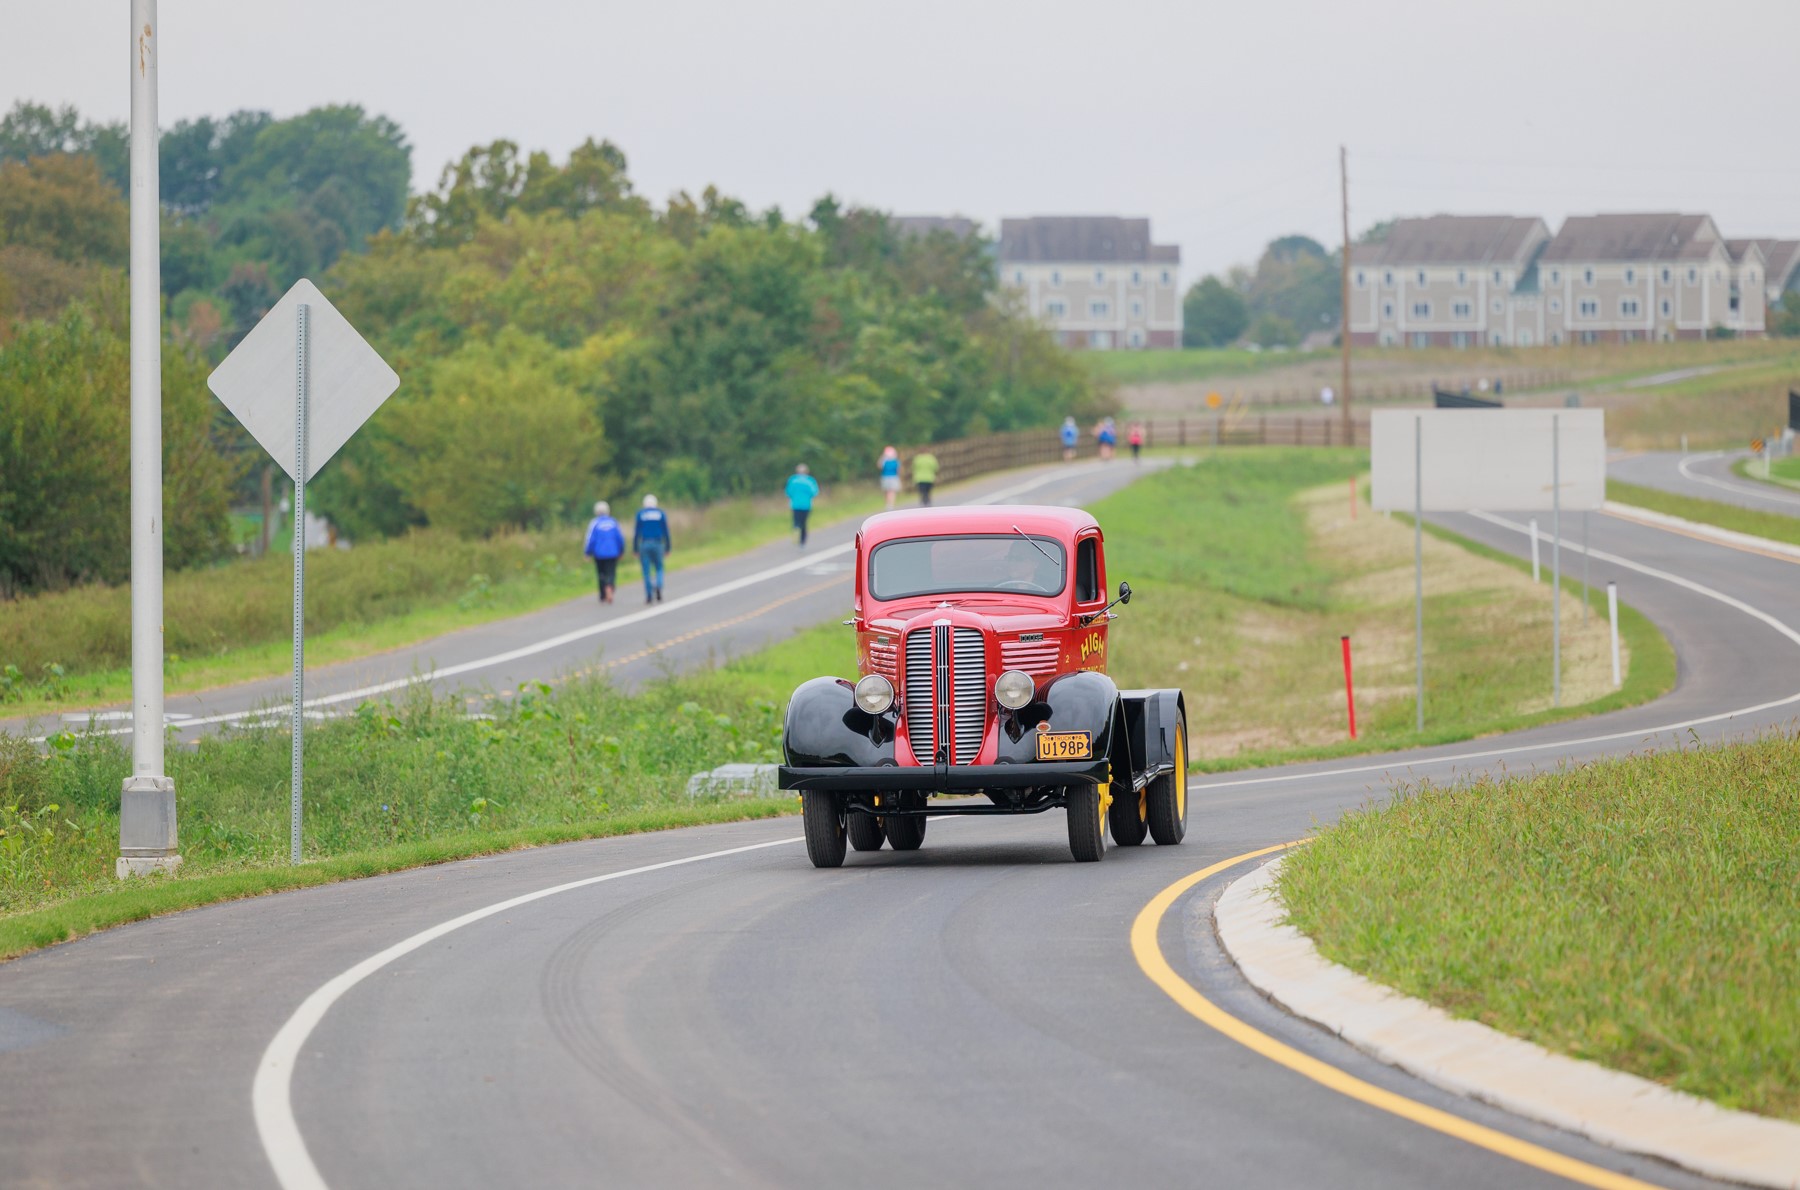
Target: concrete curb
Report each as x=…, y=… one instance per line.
x=1730, y=537
x=1621, y=1111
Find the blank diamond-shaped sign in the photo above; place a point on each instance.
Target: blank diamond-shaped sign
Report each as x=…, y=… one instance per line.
x=347, y=380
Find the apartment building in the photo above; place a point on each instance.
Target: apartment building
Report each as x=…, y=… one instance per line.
x=1097, y=281
x=1620, y=278
x=1448, y=281
x=1781, y=265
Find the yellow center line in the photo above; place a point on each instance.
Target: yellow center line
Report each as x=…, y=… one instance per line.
x=1148, y=952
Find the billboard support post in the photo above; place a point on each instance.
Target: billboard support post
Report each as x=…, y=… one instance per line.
x=1419, y=561
x=1556, y=560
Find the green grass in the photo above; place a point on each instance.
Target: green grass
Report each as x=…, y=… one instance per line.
x=233, y=623
x=1781, y=472
x=1786, y=469
x=1643, y=913
x=1775, y=526
x=1192, y=363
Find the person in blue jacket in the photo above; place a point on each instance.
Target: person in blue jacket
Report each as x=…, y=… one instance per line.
x=802, y=488
x=1069, y=436
x=605, y=545
x=651, y=542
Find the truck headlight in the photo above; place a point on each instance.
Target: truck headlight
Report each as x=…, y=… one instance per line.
x=1013, y=689
x=874, y=694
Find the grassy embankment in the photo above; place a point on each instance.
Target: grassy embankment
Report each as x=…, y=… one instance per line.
x=1783, y=473
x=1242, y=608
x=233, y=623
x=1643, y=913
x=1249, y=571
x=1775, y=526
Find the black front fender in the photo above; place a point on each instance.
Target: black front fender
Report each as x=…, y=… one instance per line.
x=1084, y=701
x=825, y=727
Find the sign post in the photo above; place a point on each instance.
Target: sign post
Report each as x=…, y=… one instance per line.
x=306, y=344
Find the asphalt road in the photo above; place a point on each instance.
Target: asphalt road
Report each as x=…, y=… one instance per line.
x=968, y=1014
x=713, y=611
x=1706, y=476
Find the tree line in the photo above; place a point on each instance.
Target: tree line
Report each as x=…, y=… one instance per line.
x=558, y=335
x=1293, y=290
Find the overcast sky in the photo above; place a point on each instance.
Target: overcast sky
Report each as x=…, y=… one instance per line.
x=1220, y=121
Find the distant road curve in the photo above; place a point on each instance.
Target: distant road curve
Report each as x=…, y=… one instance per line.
x=1705, y=476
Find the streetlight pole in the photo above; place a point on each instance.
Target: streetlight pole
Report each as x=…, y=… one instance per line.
x=147, y=801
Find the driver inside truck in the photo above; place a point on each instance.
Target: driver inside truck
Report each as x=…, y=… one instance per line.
x=1027, y=568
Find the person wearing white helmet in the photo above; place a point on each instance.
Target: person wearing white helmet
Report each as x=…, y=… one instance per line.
x=605, y=545
x=651, y=542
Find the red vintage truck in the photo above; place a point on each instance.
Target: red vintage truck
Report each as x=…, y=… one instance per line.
x=981, y=637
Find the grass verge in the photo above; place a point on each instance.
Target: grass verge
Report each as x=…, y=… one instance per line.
x=1783, y=473
x=71, y=650
x=1643, y=913
x=1775, y=526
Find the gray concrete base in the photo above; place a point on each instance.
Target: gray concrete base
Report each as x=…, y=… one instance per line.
x=145, y=865
x=1618, y=1110
x=735, y=780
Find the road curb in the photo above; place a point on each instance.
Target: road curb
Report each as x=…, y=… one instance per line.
x=1730, y=537
x=1619, y=1110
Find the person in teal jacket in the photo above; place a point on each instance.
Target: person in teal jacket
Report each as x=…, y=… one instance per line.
x=802, y=490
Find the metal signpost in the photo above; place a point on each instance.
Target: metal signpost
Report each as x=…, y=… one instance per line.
x=302, y=344
x=1506, y=460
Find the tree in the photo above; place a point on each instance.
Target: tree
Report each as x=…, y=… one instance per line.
x=1784, y=318
x=59, y=204
x=1272, y=330
x=1212, y=314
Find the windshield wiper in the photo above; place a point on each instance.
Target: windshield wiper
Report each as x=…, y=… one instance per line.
x=1034, y=545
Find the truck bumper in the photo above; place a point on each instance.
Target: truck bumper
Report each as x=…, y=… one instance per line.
x=944, y=778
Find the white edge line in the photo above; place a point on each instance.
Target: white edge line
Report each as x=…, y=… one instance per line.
x=1518, y=749
x=568, y=638
x=1736, y=489
x=271, y=1092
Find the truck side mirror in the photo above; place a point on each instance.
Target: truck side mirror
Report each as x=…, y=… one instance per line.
x=1124, y=597
x=1124, y=592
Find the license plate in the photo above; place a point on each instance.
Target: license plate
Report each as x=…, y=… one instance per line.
x=1064, y=745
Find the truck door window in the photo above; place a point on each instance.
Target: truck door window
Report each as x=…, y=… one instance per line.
x=1087, y=571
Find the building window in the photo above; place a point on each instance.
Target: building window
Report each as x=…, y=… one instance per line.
x=1387, y=339
x=1056, y=309
x=1587, y=276
x=1630, y=276
x=1753, y=276
x=1359, y=278
x=1497, y=277
x=1137, y=309
x=1668, y=307
x=1590, y=336
x=1137, y=277
x=1498, y=305
x=1421, y=339
x=1462, y=278
x=1135, y=337
x=1556, y=305
x=1421, y=309
x=1556, y=339
x=1555, y=277
x=1167, y=279
x=1693, y=276
x=1387, y=279
x=1099, y=308
x=1667, y=276
x=1460, y=339
x=1462, y=310
x=1496, y=339
x=1018, y=276
x=1629, y=308
x=1100, y=339
x=1055, y=277
x=1099, y=276
x=1387, y=309
x=1588, y=308
x=1524, y=338
x=1422, y=280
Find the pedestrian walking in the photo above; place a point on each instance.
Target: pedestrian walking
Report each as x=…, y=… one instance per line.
x=925, y=469
x=890, y=474
x=1069, y=436
x=802, y=489
x=651, y=542
x=1135, y=436
x=605, y=545
x=1107, y=435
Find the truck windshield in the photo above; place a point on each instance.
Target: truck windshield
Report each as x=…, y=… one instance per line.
x=997, y=562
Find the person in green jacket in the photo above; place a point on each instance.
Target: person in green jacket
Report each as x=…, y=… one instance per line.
x=924, y=469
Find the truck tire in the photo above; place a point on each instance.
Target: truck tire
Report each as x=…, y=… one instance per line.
x=1126, y=818
x=824, y=823
x=1087, y=826
x=905, y=834
x=1168, y=795
x=865, y=830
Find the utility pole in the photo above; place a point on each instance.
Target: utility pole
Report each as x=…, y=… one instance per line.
x=1344, y=332
x=147, y=800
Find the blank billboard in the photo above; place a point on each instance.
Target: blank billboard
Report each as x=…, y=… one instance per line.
x=1497, y=459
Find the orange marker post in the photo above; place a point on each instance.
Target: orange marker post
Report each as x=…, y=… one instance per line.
x=1349, y=690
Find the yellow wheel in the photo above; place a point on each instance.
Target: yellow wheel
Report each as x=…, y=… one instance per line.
x=1168, y=794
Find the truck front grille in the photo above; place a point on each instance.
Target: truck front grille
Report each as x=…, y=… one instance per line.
x=946, y=691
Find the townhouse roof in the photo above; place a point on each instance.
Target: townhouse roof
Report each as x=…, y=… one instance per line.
x=1780, y=257
x=923, y=225
x=1455, y=239
x=1081, y=239
x=1659, y=236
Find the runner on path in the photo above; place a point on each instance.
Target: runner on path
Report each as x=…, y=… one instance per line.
x=925, y=471
x=890, y=474
x=651, y=542
x=605, y=545
x=802, y=488
x=1070, y=434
